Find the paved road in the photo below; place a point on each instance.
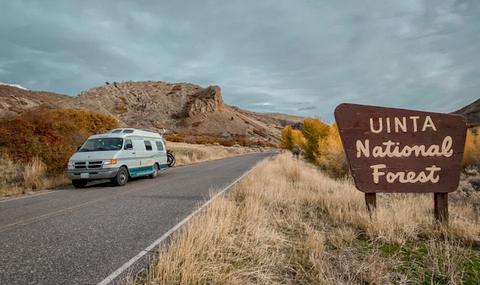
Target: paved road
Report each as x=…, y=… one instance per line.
x=81, y=236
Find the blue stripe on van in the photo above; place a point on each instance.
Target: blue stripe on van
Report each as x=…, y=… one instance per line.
x=141, y=171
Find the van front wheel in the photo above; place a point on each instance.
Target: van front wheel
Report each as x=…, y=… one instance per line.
x=122, y=177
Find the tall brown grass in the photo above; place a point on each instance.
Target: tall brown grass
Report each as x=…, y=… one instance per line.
x=17, y=178
x=11, y=177
x=288, y=223
x=34, y=174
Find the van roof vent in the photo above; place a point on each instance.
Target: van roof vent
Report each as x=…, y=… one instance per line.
x=127, y=131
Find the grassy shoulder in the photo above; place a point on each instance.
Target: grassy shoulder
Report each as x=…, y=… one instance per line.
x=287, y=223
x=17, y=178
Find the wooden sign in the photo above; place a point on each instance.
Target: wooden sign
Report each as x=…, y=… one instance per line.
x=395, y=150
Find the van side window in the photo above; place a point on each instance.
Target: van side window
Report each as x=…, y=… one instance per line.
x=160, y=146
x=148, y=145
x=128, y=144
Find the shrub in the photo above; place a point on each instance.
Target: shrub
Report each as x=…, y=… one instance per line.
x=118, y=110
x=175, y=138
x=52, y=136
x=206, y=140
x=227, y=142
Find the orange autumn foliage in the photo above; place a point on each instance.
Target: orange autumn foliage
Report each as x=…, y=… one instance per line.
x=471, y=154
x=51, y=135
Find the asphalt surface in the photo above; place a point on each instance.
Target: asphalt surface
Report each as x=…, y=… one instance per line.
x=81, y=236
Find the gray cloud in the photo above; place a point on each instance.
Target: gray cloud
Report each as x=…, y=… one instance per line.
x=307, y=108
x=265, y=55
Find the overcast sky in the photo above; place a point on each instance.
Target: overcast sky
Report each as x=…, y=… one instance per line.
x=294, y=57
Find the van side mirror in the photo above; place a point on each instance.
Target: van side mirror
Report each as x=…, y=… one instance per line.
x=78, y=148
x=129, y=146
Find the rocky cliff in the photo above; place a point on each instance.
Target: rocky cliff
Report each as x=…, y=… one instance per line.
x=205, y=101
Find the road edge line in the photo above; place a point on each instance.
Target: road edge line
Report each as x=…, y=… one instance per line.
x=142, y=253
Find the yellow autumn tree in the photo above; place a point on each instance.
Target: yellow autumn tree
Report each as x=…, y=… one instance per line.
x=332, y=157
x=298, y=138
x=471, y=153
x=321, y=143
x=291, y=138
x=313, y=131
x=287, y=138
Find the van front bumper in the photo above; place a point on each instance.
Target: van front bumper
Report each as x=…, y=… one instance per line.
x=96, y=174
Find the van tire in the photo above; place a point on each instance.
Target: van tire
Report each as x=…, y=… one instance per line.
x=122, y=177
x=155, y=171
x=79, y=183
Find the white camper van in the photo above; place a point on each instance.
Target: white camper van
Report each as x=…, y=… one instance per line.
x=118, y=155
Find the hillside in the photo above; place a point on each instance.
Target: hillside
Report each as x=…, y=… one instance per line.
x=13, y=99
x=471, y=112
x=182, y=108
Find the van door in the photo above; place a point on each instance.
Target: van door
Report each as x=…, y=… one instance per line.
x=162, y=155
x=147, y=159
x=143, y=158
x=130, y=155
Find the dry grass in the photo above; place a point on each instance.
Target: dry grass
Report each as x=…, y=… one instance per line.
x=186, y=154
x=18, y=179
x=287, y=223
x=11, y=178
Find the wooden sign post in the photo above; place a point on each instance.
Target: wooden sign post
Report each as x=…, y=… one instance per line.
x=402, y=151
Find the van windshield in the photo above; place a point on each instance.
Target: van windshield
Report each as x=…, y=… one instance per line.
x=102, y=144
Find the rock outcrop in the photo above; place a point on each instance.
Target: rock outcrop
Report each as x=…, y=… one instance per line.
x=206, y=100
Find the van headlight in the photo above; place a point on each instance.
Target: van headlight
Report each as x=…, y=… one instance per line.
x=110, y=161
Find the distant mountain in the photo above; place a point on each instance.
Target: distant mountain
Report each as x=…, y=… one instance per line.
x=471, y=112
x=179, y=107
